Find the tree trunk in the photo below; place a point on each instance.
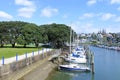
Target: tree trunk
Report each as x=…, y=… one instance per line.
x=25, y=45
x=13, y=45
x=2, y=44
x=36, y=44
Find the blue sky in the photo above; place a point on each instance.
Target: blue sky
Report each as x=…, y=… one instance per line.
x=84, y=16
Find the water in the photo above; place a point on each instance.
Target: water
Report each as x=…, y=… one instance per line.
x=107, y=67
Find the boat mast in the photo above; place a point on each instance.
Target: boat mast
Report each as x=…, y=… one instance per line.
x=70, y=39
x=73, y=38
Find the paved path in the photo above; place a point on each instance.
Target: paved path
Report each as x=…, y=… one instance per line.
x=41, y=72
x=20, y=57
x=18, y=75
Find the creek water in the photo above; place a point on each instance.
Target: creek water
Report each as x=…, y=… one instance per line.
x=106, y=65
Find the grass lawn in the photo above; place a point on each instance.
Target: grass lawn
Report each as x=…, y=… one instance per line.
x=10, y=52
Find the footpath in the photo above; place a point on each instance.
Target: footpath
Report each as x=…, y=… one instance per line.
x=20, y=73
x=21, y=57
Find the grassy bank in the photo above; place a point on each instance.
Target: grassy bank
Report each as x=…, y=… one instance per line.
x=10, y=52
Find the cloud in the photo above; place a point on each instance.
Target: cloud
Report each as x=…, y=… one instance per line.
x=100, y=16
x=118, y=8
x=113, y=28
x=49, y=12
x=91, y=2
x=117, y=19
x=91, y=27
x=24, y=2
x=26, y=12
x=115, y=1
x=87, y=15
x=108, y=16
x=27, y=9
x=5, y=15
x=83, y=27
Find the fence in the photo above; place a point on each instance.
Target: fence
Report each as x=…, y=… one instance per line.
x=18, y=64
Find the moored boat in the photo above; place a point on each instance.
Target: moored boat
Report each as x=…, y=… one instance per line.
x=73, y=67
x=76, y=59
x=78, y=56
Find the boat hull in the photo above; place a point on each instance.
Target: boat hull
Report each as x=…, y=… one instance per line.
x=76, y=60
x=73, y=69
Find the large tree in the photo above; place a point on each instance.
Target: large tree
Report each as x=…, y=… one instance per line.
x=57, y=34
x=4, y=35
x=15, y=31
x=10, y=31
x=28, y=34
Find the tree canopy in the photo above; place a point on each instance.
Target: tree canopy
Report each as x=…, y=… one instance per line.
x=24, y=33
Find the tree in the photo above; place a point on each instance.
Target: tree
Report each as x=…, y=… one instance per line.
x=27, y=34
x=24, y=33
x=44, y=33
x=94, y=36
x=57, y=34
x=37, y=36
x=10, y=31
x=4, y=33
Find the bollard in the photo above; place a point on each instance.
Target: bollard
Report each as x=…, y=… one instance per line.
x=26, y=55
x=46, y=49
x=39, y=53
x=3, y=60
x=16, y=57
x=42, y=50
x=42, y=53
x=33, y=58
x=46, y=52
x=33, y=53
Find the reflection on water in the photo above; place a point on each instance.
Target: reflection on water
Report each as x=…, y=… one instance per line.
x=68, y=75
x=59, y=75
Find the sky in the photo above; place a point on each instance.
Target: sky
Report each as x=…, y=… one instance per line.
x=84, y=16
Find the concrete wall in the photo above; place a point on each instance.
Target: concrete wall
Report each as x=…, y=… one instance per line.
x=14, y=66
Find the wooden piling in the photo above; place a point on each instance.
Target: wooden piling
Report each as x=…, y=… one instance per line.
x=90, y=57
x=92, y=62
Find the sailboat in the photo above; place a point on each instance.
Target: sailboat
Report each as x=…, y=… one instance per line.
x=73, y=59
x=74, y=67
x=78, y=56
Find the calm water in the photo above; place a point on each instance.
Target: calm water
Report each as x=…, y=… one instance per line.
x=107, y=67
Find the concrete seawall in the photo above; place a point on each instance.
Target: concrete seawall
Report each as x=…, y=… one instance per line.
x=16, y=70
x=41, y=72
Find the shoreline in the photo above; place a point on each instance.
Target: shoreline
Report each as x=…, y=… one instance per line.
x=41, y=72
x=38, y=71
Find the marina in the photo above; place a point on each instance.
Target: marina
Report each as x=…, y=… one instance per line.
x=76, y=60
x=106, y=65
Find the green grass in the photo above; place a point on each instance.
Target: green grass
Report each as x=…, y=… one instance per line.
x=10, y=52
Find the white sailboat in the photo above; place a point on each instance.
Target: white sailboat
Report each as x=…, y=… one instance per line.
x=74, y=67
x=74, y=58
x=78, y=56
